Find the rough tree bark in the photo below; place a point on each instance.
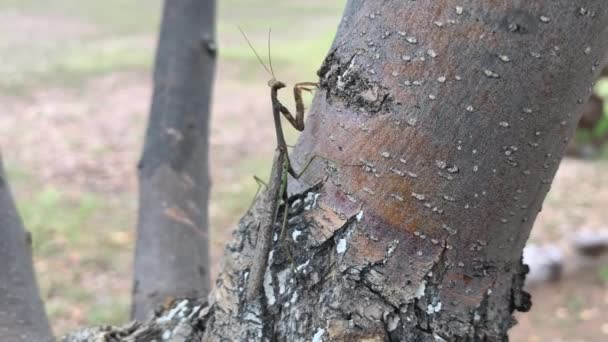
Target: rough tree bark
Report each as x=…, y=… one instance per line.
x=22, y=316
x=172, y=244
x=460, y=112
x=447, y=120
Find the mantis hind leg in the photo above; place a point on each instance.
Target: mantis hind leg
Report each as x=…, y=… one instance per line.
x=295, y=174
x=261, y=184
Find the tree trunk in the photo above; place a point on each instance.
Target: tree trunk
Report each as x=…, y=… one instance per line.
x=458, y=113
x=22, y=316
x=172, y=244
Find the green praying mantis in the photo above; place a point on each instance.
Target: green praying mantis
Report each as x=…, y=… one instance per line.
x=281, y=170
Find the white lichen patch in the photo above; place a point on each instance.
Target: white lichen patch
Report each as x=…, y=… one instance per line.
x=411, y=40
x=253, y=317
x=420, y=291
x=311, y=199
x=282, y=278
x=341, y=246
x=418, y=196
x=173, y=312
x=294, y=297
x=587, y=50
x=340, y=82
x=490, y=73
x=397, y=197
x=359, y=216
x=268, y=290
x=393, y=322
x=296, y=233
x=318, y=336
x=391, y=248
x=438, y=338
x=195, y=310
x=504, y=58
x=303, y=266
x=397, y=171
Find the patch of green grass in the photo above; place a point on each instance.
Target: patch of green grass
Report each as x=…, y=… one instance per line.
x=120, y=26
x=601, y=88
x=280, y=15
x=293, y=59
x=602, y=273
x=231, y=202
x=298, y=45
x=111, y=311
x=15, y=174
x=73, y=65
x=603, y=153
x=76, y=237
x=54, y=220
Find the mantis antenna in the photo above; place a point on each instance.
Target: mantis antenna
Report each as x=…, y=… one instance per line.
x=270, y=55
x=256, y=53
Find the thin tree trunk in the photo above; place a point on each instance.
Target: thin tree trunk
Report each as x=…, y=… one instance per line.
x=172, y=244
x=22, y=316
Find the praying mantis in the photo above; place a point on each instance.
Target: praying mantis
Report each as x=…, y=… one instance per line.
x=281, y=170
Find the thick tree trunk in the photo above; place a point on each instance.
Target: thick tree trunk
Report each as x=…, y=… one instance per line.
x=459, y=113
x=172, y=244
x=22, y=316
x=446, y=121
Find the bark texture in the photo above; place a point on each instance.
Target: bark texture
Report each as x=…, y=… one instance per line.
x=177, y=323
x=22, y=316
x=458, y=113
x=172, y=244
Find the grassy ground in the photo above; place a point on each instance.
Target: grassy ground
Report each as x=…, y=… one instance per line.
x=74, y=96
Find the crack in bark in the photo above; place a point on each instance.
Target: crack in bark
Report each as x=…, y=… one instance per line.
x=348, y=83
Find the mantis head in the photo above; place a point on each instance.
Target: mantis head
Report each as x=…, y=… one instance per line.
x=274, y=84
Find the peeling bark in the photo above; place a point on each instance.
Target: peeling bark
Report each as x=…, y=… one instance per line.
x=177, y=323
x=22, y=316
x=172, y=244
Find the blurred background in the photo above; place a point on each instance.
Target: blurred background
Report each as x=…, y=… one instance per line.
x=74, y=98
